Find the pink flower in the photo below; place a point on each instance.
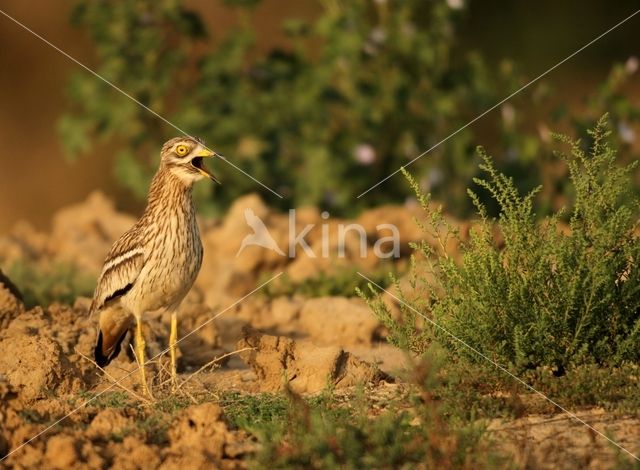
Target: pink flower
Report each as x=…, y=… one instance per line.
x=627, y=134
x=364, y=154
x=631, y=65
x=455, y=4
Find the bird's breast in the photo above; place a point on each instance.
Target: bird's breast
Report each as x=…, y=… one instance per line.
x=173, y=262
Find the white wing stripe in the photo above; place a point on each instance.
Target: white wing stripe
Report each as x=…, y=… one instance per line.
x=121, y=258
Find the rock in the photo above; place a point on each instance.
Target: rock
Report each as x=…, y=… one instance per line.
x=81, y=236
x=305, y=267
x=338, y=320
x=282, y=362
x=333, y=247
x=231, y=270
x=36, y=366
x=277, y=315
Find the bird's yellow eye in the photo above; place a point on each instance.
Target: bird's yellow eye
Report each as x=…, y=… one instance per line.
x=182, y=150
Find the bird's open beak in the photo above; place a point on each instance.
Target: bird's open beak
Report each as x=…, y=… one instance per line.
x=198, y=163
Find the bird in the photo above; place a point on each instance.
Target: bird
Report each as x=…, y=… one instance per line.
x=155, y=263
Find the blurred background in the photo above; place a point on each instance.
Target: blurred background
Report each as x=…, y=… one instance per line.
x=317, y=99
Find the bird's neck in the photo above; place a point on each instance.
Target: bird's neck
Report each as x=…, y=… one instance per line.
x=168, y=191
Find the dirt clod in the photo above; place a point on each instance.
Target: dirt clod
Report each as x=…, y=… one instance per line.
x=280, y=362
x=36, y=366
x=61, y=452
x=106, y=424
x=199, y=430
x=10, y=301
x=134, y=454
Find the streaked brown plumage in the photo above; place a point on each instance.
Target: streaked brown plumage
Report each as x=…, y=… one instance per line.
x=154, y=264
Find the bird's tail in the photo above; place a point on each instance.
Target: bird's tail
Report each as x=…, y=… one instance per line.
x=114, y=324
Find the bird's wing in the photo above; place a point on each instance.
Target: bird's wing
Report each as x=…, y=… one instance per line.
x=120, y=271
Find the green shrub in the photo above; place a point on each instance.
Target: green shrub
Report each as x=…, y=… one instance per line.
x=349, y=97
x=355, y=93
x=538, y=293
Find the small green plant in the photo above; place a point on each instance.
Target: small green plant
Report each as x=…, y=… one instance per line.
x=532, y=294
x=31, y=416
x=155, y=427
x=116, y=399
x=44, y=284
x=356, y=91
x=172, y=404
x=252, y=412
x=118, y=436
x=324, y=434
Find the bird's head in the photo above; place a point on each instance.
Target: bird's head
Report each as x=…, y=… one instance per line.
x=184, y=156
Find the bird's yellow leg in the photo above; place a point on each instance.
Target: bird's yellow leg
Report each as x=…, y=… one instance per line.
x=140, y=345
x=173, y=338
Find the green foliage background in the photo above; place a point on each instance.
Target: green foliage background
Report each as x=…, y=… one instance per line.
x=382, y=81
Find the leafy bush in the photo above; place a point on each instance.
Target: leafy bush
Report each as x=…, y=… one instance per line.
x=531, y=294
x=354, y=94
x=360, y=90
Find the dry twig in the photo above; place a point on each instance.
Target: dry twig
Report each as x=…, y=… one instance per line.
x=113, y=379
x=211, y=363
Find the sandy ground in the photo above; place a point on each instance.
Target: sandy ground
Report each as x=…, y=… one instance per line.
x=262, y=344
